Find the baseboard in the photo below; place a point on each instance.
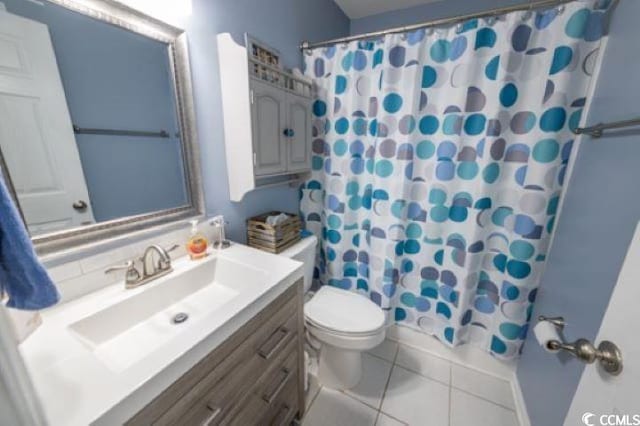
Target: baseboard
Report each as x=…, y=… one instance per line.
x=521, y=407
x=466, y=355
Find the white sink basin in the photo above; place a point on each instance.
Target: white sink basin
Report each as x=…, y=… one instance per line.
x=122, y=334
x=100, y=359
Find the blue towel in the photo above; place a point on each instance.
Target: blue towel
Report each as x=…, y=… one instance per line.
x=22, y=276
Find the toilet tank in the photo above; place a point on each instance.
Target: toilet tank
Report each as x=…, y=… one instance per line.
x=305, y=252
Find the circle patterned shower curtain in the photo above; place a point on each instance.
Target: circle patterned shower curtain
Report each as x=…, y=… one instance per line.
x=438, y=162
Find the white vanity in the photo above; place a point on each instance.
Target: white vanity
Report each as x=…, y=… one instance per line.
x=129, y=356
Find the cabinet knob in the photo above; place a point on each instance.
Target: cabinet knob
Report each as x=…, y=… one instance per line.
x=80, y=205
x=288, y=133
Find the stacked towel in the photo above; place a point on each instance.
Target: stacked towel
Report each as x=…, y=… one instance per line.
x=22, y=276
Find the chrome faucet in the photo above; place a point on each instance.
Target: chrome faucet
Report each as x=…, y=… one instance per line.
x=150, y=269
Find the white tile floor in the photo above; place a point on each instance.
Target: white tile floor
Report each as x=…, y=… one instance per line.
x=402, y=385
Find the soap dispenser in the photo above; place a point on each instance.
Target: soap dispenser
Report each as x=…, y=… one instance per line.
x=221, y=241
x=197, y=244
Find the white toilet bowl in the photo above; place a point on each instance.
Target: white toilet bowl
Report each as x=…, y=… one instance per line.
x=345, y=323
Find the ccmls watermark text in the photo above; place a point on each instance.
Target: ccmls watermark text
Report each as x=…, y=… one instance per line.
x=590, y=419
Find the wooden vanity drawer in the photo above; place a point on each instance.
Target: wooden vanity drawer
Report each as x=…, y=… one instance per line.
x=211, y=393
x=226, y=401
x=280, y=413
x=282, y=409
x=269, y=388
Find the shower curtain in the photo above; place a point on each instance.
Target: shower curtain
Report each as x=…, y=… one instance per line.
x=438, y=161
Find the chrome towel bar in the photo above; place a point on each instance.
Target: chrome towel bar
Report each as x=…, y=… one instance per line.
x=111, y=132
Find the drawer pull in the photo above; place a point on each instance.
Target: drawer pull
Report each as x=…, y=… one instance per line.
x=282, y=416
x=272, y=345
x=285, y=378
x=211, y=417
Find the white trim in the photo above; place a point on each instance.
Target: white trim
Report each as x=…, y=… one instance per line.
x=466, y=355
x=17, y=390
x=518, y=400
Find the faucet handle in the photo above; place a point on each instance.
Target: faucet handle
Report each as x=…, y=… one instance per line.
x=166, y=264
x=218, y=221
x=126, y=265
x=132, y=275
x=172, y=248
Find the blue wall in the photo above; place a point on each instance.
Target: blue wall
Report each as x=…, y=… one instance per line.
x=600, y=212
x=115, y=79
x=427, y=12
x=279, y=23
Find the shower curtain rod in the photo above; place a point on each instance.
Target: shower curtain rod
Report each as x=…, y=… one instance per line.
x=452, y=20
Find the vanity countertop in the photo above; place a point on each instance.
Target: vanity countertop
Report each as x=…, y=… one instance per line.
x=76, y=387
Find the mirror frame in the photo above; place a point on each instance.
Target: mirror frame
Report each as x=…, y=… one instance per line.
x=120, y=15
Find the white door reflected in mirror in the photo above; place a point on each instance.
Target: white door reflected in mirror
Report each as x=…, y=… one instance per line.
x=36, y=134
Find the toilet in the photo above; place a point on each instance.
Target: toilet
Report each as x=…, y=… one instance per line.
x=345, y=323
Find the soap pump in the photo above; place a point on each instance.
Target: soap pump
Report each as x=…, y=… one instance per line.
x=221, y=241
x=197, y=244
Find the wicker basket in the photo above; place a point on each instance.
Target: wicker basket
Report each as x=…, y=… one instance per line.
x=273, y=239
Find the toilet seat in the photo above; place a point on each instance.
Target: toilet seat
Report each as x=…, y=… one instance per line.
x=320, y=327
x=341, y=312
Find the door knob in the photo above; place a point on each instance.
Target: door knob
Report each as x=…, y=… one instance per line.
x=80, y=205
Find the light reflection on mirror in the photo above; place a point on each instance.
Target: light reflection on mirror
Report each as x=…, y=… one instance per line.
x=171, y=11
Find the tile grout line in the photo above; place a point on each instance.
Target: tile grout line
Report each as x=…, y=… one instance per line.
x=378, y=357
x=450, y=391
x=425, y=376
x=450, y=384
x=484, y=399
x=386, y=386
x=313, y=400
x=444, y=358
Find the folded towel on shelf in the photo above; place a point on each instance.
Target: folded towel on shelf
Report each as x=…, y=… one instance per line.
x=276, y=219
x=22, y=277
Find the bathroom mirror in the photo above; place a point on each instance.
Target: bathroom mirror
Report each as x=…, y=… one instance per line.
x=97, y=127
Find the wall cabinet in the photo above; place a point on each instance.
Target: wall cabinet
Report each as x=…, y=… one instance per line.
x=254, y=378
x=267, y=120
x=281, y=124
x=299, y=141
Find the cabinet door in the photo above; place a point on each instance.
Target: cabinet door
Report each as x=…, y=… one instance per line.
x=268, y=120
x=299, y=133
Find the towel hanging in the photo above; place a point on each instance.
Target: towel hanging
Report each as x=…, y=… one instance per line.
x=22, y=277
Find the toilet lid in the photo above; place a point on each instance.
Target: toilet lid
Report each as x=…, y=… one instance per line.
x=343, y=311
